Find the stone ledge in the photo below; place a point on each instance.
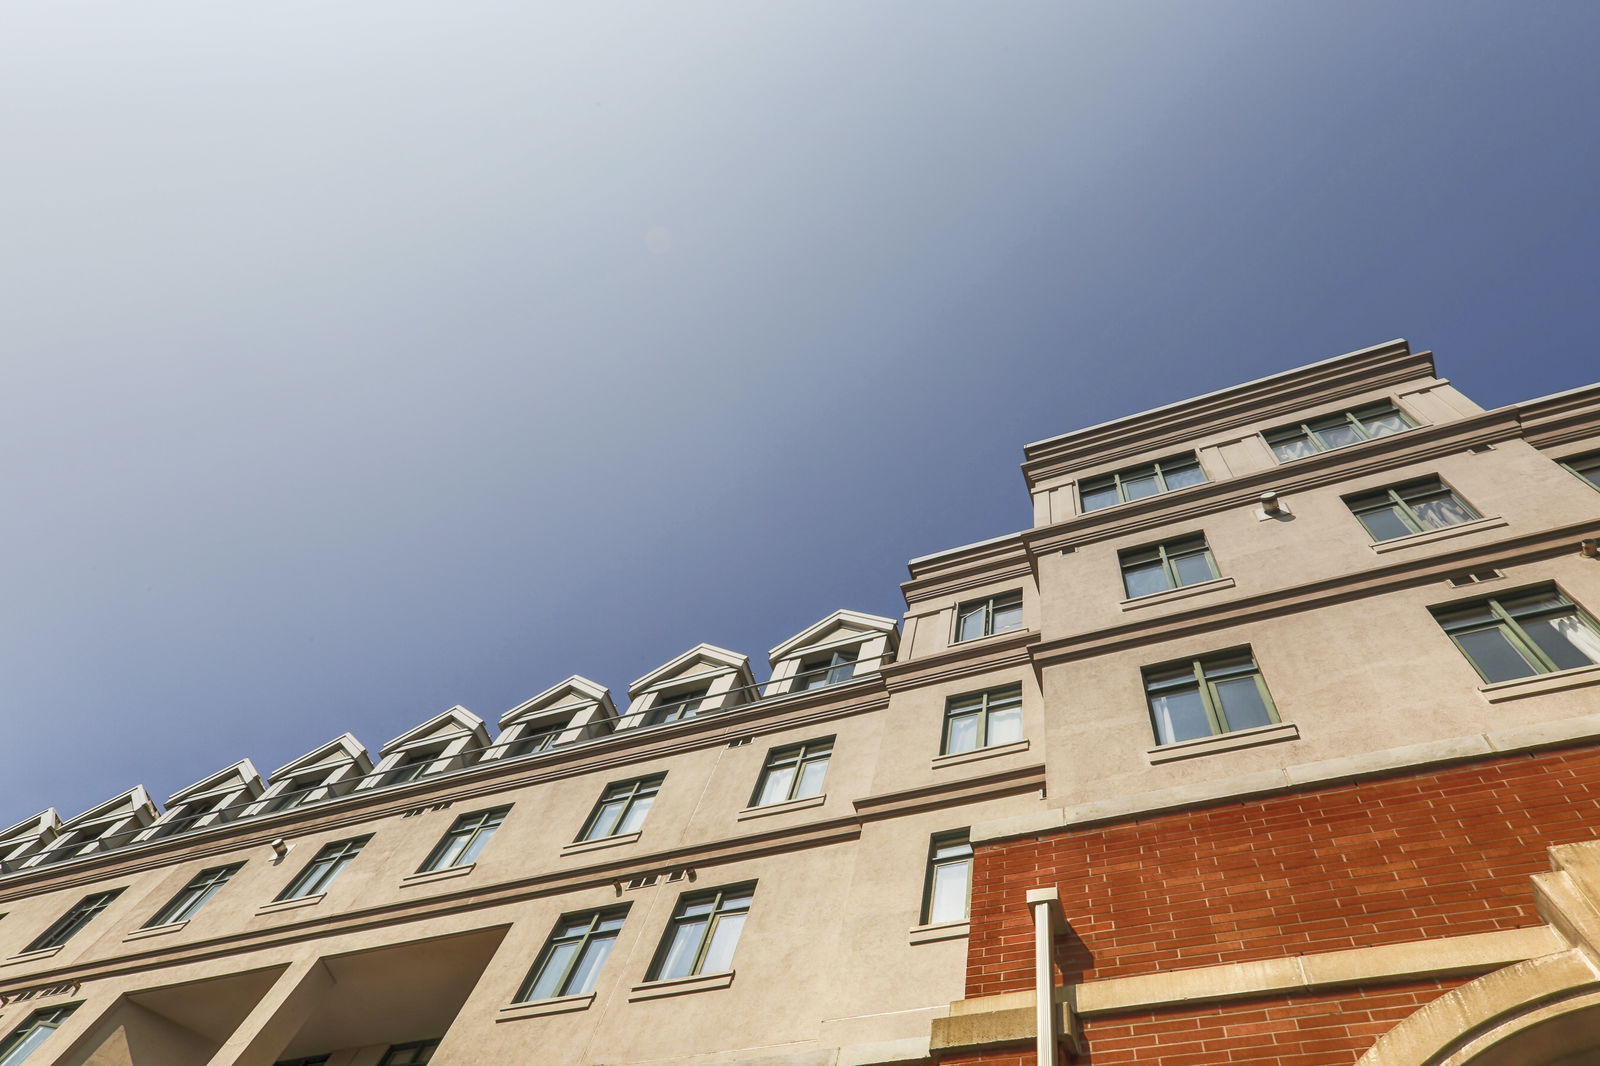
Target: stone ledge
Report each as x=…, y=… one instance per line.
x=1239, y=738
x=578, y=847
x=291, y=904
x=156, y=930
x=680, y=986
x=423, y=877
x=977, y=754
x=1435, y=535
x=929, y=934
x=1182, y=592
x=1539, y=684
x=782, y=808
x=540, y=1008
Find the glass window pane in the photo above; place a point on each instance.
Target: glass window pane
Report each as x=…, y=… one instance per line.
x=1005, y=726
x=948, y=898
x=775, y=789
x=1538, y=601
x=1339, y=436
x=1381, y=425
x=1293, y=448
x=606, y=819
x=1180, y=716
x=811, y=778
x=635, y=816
x=1182, y=477
x=470, y=853
x=1099, y=496
x=1138, y=488
x=1144, y=580
x=724, y=938
x=1566, y=639
x=963, y=734
x=1494, y=655
x=1386, y=524
x=970, y=624
x=1242, y=704
x=26, y=1046
x=588, y=969
x=1441, y=511
x=1193, y=569
x=548, y=984
x=1007, y=616
x=679, y=958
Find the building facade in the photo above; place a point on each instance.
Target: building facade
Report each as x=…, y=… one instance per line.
x=1276, y=739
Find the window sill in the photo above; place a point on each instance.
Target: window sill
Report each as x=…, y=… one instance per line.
x=541, y=1007
x=1241, y=738
x=426, y=876
x=1182, y=592
x=1539, y=684
x=991, y=752
x=1460, y=529
x=680, y=986
x=155, y=930
x=782, y=808
x=987, y=636
x=291, y=904
x=34, y=956
x=931, y=934
x=578, y=847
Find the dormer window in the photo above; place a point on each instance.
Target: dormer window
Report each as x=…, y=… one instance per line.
x=844, y=646
x=188, y=816
x=575, y=710
x=530, y=743
x=320, y=774
x=703, y=680
x=1140, y=482
x=443, y=743
x=1337, y=431
x=820, y=671
x=677, y=706
x=410, y=767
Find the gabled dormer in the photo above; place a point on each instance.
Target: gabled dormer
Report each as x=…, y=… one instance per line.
x=113, y=823
x=28, y=837
x=701, y=680
x=576, y=709
x=444, y=742
x=222, y=797
x=322, y=773
x=844, y=645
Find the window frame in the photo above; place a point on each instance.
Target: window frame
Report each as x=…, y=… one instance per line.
x=1307, y=429
x=990, y=606
x=203, y=885
x=80, y=914
x=635, y=787
x=1216, y=715
x=679, y=707
x=411, y=1045
x=534, y=741
x=413, y=766
x=591, y=933
x=803, y=753
x=1507, y=623
x=1165, y=554
x=986, y=699
x=713, y=918
x=1585, y=467
x=337, y=855
x=49, y=1019
x=487, y=821
x=1396, y=497
x=937, y=842
x=1160, y=469
x=838, y=659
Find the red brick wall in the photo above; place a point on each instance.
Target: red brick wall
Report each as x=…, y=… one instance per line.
x=1441, y=853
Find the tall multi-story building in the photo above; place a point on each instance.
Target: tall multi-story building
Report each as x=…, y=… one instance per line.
x=1276, y=738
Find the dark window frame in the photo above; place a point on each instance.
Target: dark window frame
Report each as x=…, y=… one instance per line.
x=1509, y=623
x=1307, y=430
x=1400, y=500
x=987, y=607
x=963, y=706
x=959, y=843
x=1206, y=673
x=69, y=924
x=50, y=1018
x=713, y=918
x=593, y=931
x=472, y=831
x=1161, y=470
x=1167, y=554
x=799, y=756
x=194, y=895
x=332, y=858
x=631, y=792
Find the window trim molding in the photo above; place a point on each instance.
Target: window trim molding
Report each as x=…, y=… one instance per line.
x=992, y=751
x=290, y=904
x=1460, y=529
x=423, y=877
x=939, y=931
x=681, y=986
x=804, y=803
x=1255, y=736
x=1304, y=424
x=1214, y=710
x=1539, y=684
x=1182, y=592
x=539, y=1008
x=988, y=605
x=577, y=847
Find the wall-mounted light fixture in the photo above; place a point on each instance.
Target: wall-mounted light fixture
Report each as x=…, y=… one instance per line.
x=1271, y=506
x=280, y=847
x=1590, y=548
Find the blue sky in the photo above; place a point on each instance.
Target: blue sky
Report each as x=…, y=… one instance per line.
x=364, y=359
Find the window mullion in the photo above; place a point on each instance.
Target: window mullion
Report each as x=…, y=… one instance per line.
x=1208, y=697
x=1526, y=645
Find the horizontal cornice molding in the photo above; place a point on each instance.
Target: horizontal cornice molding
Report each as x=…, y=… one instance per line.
x=1004, y=783
x=994, y=654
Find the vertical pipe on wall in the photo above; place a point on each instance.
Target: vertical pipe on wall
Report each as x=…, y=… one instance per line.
x=1045, y=906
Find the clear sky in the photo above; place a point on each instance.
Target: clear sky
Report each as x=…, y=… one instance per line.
x=366, y=358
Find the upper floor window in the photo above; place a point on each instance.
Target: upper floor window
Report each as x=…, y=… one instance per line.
x=529, y=743
x=622, y=808
x=415, y=1053
x=324, y=867
x=189, y=815
x=984, y=618
x=1524, y=634
x=1586, y=467
x=1337, y=431
x=65, y=927
x=309, y=1060
x=982, y=720
x=571, y=960
x=1203, y=697
x=1146, y=571
x=947, y=888
x=792, y=773
x=1415, y=507
x=411, y=766
x=1138, y=482
x=187, y=903
x=465, y=840
x=824, y=669
x=704, y=931
x=676, y=706
x=27, y=1037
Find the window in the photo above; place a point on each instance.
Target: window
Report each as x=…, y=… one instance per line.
x=1166, y=566
x=416, y=1053
x=570, y=963
x=1586, y=467
x=187, y=903
x=82, y=913
x=1337, y=431
x=466, y=840
x=984, y=618
x=296, y=792
x=30, y=1034
x=188, y=815
x=793, y=773
x=1204, y=697
x=410, y=767
x=1537, y=632
x=1138, y=482
x=323, y=868
x=678, y=706
x=948, y=885
x=622, y=808
x=540, y=739
x=310, y=1060
x=704, y=931
x=823, y=670
x=1415, y=507
x=982, y=720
